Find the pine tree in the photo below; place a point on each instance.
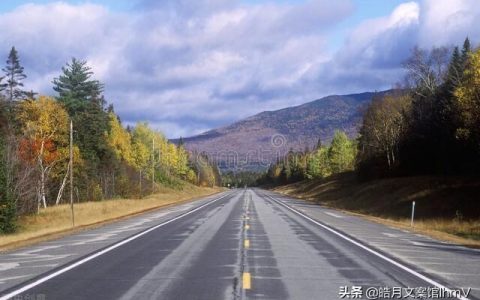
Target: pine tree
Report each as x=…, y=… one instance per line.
x=3, y=86
x=14, y=75
x=181, y=142
x=75, y=83
x=83, y=100
x=455, y=69
x=467, y=48
x=319, y=144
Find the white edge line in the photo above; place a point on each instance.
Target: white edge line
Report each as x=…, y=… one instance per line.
x=97, y=254
x=405, y=268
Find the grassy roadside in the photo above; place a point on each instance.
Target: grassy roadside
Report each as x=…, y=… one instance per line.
x=55, y=221
x=446, y=208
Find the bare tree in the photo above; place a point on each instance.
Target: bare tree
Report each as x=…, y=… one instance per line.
x=383, y=126
x=426, y=69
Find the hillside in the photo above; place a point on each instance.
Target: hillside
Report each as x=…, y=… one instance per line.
x=256, y=141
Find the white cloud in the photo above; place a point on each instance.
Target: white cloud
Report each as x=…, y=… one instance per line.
x=449, y=21
x=187, y=66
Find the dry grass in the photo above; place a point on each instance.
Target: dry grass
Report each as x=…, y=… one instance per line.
x=446, y=208
x=464, y=233
x=56, y=221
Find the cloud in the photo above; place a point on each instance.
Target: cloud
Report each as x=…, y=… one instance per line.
x=189, y=66
x=374, y=51
x=448, y=22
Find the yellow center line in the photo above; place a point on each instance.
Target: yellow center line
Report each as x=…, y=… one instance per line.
x=247, y=226
x=246, y=243
x=247, y=284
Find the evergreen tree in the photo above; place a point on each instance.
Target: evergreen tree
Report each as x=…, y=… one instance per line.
x=181, y=142
x=82, y=98
x=14, y=75
x=319, y=144
x=7, y=202
x=75, y=84
x=3, y=86
x=455, y=70
x=467, y=48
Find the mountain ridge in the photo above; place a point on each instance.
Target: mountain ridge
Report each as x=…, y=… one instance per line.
x=254, y=142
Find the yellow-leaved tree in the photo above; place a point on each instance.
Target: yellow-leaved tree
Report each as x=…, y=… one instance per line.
x=120, y=141
x=45, y=138
x=468, y=101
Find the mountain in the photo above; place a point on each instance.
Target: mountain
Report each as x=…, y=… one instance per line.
x=254, y=142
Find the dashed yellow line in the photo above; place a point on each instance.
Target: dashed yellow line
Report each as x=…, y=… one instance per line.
x=247, y=218
x=247, y=227
x=246, y=243
x=246, y=281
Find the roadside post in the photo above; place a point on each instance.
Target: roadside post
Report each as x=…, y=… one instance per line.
x=71, y=173
x=413, y=213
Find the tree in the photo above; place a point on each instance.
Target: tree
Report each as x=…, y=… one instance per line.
x=3, y=86
x=466, y=50
x=75, y=83
x=426, y=70
x=468, y=101
x=319, y=144
x=82, y=98
x=7, y=202
x=45, y=129
x=455, y=69
x=14, y=75
x=120, y=140
x=318, y=165
x=341, y=153
x=383, y=127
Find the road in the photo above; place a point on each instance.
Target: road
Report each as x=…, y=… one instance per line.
x=243, y=244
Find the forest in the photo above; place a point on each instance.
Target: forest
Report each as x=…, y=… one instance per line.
x=109, y=159
x=428, y=125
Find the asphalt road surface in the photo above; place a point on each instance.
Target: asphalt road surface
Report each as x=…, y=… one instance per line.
x=244, y=244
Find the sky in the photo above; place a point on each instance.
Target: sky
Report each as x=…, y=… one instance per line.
x=187, y=66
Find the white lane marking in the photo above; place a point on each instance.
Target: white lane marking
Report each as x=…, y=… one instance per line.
x=392, y=235
x=38, y=258
x=97, y=254
x=333, y=214
x=8, y=266
x=4, y=279
x=457, y=274
x=422, y=258
x=34, y=251
x=443, y=245
x=39, y=266
x=399, y=265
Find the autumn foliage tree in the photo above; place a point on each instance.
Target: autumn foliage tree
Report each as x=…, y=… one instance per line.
x=323, y=161
x=110, y=160
x=467, y=96
x=45, y=135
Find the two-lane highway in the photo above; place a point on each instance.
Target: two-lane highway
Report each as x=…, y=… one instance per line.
x=246, y=244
